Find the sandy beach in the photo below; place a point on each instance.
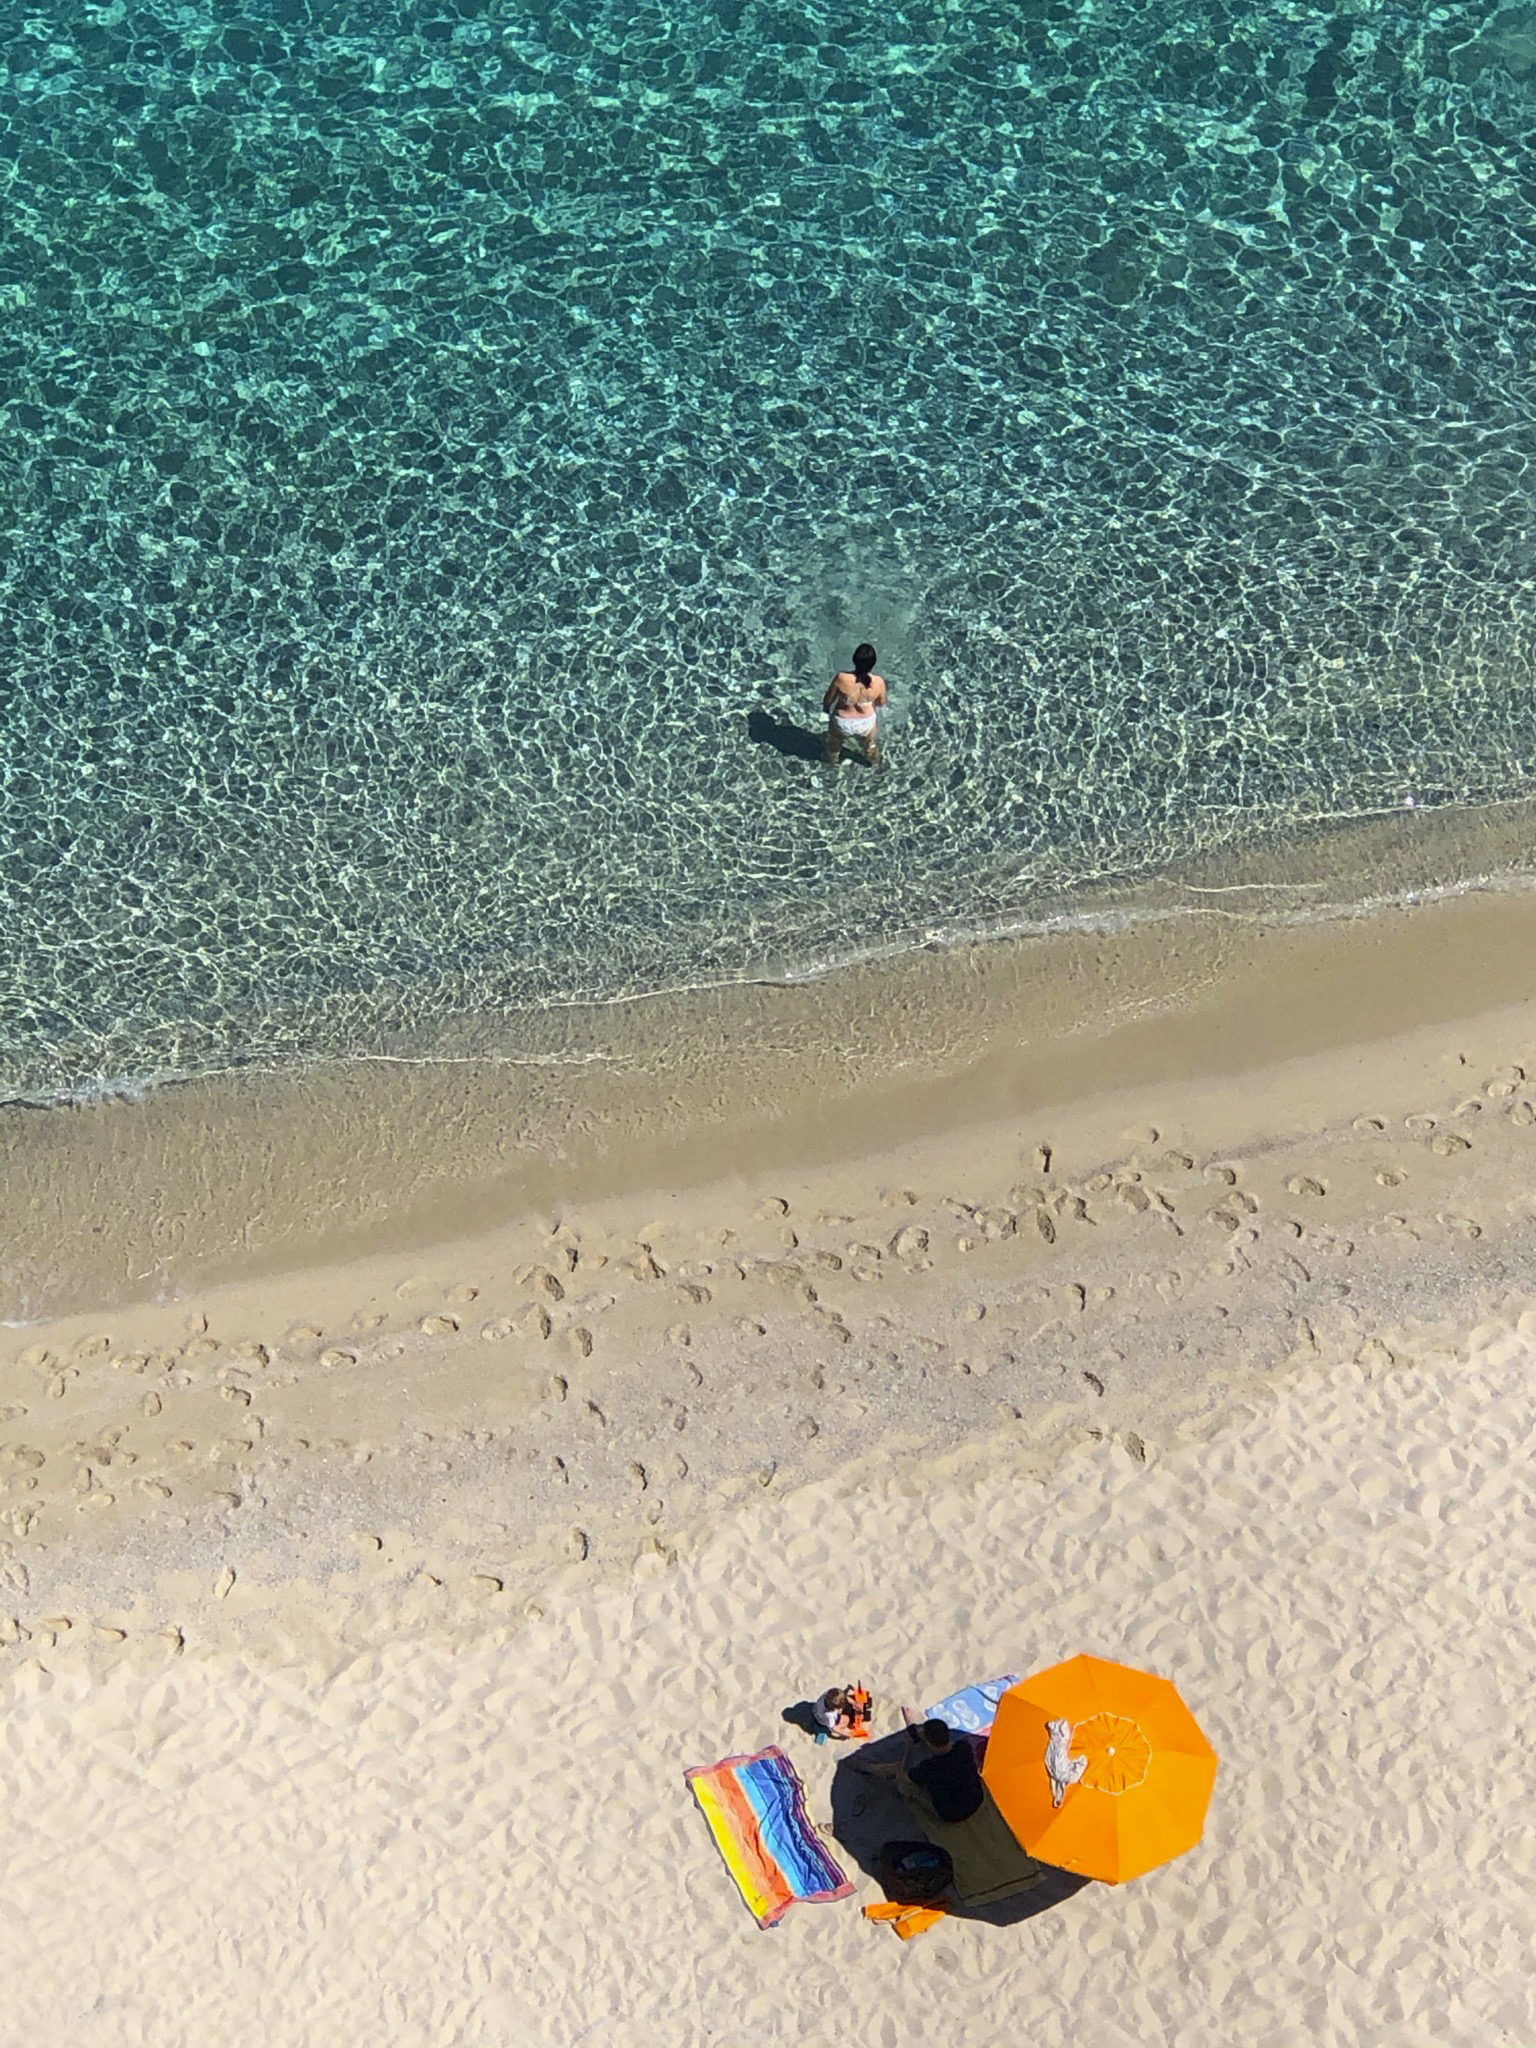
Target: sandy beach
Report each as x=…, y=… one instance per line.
x=561, y=1196
x=361, y=1613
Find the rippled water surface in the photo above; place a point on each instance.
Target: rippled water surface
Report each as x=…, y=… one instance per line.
x=445, y=453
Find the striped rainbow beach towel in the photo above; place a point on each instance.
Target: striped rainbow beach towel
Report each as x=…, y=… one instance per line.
x=755, y=1807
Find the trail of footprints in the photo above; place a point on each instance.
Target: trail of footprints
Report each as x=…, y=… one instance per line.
x=748, y=1392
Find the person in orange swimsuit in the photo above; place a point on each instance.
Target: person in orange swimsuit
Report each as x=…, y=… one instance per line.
x=853, y=701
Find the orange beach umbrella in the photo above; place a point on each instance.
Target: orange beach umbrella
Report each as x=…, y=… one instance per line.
x=1100, y=1769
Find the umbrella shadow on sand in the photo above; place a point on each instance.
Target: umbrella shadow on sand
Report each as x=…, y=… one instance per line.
x=868, y=1812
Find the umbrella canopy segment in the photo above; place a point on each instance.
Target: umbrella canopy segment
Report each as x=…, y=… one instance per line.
x=1100, y=1769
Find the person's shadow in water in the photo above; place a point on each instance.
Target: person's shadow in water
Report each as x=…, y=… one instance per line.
x=764, y=729
x=868, y=1812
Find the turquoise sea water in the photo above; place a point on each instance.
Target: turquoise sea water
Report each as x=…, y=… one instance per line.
x=446, y=450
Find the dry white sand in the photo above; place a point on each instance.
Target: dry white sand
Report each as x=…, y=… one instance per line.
x=441, y=1845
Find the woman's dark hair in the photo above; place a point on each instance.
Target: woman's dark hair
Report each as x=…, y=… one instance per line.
x=864, y=658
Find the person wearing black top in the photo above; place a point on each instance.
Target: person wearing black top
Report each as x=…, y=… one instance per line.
x=945, y=1769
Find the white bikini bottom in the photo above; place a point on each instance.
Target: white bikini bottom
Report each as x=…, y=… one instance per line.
x=854, y=722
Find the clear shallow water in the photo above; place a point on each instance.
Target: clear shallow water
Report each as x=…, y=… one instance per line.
x=445, y=455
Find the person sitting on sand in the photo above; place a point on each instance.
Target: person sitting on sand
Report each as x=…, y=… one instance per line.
x=843, y=1713
x=938, y=1764
x=853, y=700
x=946, y=1771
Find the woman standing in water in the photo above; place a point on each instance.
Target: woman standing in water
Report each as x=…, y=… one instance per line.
x=853, y=700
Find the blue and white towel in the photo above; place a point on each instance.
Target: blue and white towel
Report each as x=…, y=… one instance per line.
x=973, y=1710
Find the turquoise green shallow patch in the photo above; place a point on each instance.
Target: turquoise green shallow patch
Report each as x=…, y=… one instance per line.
x=445, y=454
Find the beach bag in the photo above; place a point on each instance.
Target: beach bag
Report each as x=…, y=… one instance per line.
x=913, y=1873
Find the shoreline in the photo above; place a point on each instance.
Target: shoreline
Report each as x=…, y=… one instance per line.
x=1352, y=867
x=267, y=1172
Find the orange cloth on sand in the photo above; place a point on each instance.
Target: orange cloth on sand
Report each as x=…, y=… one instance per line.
x=907, y=1920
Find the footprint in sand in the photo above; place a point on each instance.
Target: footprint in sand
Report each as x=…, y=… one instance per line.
x=1523, y=1113
x=365, y=1320
x=1504, y=1081
x=578, y=1545
x=1390, y=1177
x=580, y=1342
x=498, y=1331
x=910, y=1243
x=1368, y=1126
x=1449, y=1143
x=1304, y=1184
x=438, y=1326
x=93, y=1347
x=1226, y=1175
x=1141, y=1134
x=1393, y=1225
x=1461, y=1226
x=897, y=1198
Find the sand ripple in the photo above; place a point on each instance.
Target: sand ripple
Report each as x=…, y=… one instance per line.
x=497, y=1846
